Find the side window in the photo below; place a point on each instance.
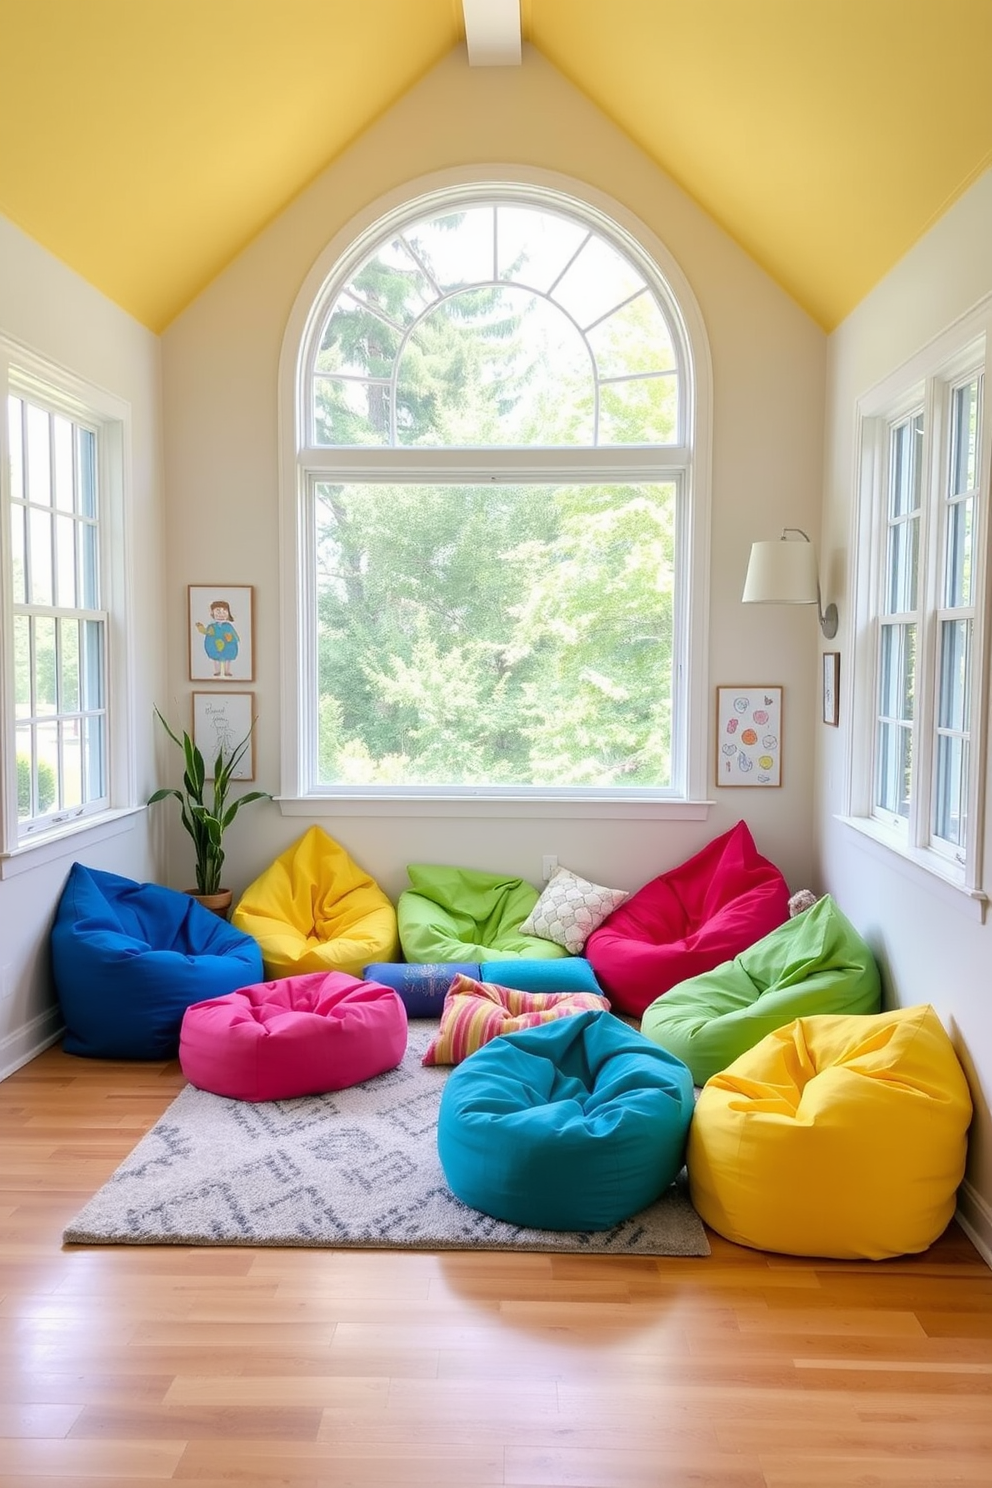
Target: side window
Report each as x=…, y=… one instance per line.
x=61, y=484
x=496, y=505
x=925, y=489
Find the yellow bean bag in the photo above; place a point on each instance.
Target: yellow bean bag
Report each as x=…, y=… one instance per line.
x=834, y=1136
x=314, y=909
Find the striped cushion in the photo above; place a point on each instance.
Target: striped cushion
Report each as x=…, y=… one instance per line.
x=475, y=1012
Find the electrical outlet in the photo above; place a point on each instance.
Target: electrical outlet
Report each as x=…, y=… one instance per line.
x=549, y=866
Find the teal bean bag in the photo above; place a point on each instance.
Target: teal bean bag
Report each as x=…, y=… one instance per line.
x=815, y=963
x=463, y=914
x=574, y=1125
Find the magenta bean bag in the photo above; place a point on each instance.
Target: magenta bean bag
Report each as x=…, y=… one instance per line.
x=689, y=920
x=297, y=1036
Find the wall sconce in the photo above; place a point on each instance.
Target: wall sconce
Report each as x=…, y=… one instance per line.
x=784, y=572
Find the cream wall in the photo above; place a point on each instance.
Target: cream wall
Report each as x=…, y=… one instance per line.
x=220, y=365
x=46, y=307
x=931, y=948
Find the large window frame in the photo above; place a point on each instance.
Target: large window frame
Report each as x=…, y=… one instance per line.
x=103, y=420
x=304, y=464
x=918, y=762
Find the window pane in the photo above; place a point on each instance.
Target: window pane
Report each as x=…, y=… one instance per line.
x=495, y=367
x=92, y=664
x=456, y=249
x=49, y=772
x=351, y=412
x=87, y=474
x=596, y=282
x=40, y=561
x=94, y=783
x=951, y=794
x=89, y=566
x=65, y=486
x=895, y=745
x=643, y=410
x=39, y=457
x=897, y=672
x=534, y=247
x=496, y=635
x=902, y=567
x=964, y=438
x=954, y=685
x=635, y=338
x=69, y=653
x=72, y=773
x=906, y=471
x=15, y=410
x=26, y=784
x=46, y=690
x=65, y=561
x=22, y=666
x=957, y=578
x=357, y=342
x=18, y=555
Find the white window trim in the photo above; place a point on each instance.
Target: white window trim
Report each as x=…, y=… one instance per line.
x=25, y=371
x=342, y=253
x=965, y=345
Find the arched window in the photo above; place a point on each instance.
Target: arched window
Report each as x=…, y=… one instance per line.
x=495, y=503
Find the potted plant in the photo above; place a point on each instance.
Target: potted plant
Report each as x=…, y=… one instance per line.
x=206, y=822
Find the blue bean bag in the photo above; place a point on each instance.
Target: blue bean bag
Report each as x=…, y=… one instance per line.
x=574, y=1125
x=129, y=958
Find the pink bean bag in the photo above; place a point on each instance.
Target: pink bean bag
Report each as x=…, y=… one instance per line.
x=297, y=1036
x=687, y=921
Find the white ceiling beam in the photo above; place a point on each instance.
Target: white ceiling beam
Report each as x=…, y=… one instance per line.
x=492, y=30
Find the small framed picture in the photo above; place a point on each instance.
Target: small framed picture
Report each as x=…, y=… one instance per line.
x=831, y=688
x=221, y=633
x=220, y=721
x=749, y=736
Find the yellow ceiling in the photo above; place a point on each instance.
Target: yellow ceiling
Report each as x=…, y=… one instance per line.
x=145, y=142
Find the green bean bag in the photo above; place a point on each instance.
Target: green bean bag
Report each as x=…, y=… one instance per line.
x=815, y=963
x=462, y=914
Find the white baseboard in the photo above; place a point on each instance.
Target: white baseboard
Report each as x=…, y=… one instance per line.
x=974, y=1216
x=25, y=1043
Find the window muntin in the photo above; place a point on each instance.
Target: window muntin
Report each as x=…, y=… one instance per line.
x=59, y=626
x=499, y=325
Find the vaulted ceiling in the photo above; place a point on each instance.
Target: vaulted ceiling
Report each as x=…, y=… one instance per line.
x=145, y=142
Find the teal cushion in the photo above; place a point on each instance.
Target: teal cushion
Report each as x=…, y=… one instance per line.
x=574, y=1125
x=815, y=963
x=463, y=914
x=571, y=974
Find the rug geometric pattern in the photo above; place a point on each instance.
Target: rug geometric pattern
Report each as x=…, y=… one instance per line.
x=352, y=1168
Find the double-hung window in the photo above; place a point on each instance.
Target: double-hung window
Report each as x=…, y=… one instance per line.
x=498, y=512
x=61, y=486
x=918, y=777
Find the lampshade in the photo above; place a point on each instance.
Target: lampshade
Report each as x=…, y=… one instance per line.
x=781, y=572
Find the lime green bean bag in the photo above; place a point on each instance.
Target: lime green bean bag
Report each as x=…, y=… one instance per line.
x=462, y=914
x=815, y=963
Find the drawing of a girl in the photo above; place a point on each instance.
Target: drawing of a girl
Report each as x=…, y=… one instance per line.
x=220, y=639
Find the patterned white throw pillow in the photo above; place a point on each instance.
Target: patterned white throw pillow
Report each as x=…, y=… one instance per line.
x=570, y=909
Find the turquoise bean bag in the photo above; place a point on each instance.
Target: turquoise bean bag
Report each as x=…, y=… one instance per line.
x=463, y=914
x=815, y=963
x=573, y=1125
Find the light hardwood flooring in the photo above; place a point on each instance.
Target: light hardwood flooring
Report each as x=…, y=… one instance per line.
x=365, y=1369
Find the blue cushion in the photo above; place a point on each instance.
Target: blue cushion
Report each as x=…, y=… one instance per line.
x=574, y=1125
x=422, y=987
x=571, y=974
x=129, y=958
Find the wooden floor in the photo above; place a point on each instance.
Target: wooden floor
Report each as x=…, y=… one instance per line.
x=130, y=1366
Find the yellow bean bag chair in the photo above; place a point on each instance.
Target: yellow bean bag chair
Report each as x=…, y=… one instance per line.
x=314, y=909
x=834, y=1136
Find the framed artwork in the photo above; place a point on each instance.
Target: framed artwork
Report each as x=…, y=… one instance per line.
x=749, y=736
x=831, y=688
x=221, y=720
x=221, y=633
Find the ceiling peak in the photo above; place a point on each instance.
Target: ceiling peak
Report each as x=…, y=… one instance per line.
x=492, y=31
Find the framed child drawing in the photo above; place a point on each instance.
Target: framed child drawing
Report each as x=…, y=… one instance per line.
x=749, y=736
x=221, y=633
x=222, y=720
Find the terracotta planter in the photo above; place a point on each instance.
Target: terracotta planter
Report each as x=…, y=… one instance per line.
x=219, y=903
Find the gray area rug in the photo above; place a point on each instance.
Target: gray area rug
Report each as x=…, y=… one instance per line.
x=353, y=1168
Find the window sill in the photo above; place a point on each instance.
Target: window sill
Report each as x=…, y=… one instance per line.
x=484, y=808
x=924, y=869
x=48, y=847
